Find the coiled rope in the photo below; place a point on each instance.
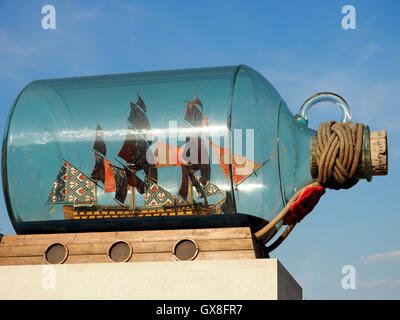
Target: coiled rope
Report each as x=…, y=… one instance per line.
x=338, y=153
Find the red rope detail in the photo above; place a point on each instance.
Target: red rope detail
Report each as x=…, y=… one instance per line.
x=304, y=204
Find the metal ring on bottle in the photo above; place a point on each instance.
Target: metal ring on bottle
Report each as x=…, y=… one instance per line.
x=326, y=97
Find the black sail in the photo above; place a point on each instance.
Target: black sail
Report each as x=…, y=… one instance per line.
x=134, y=181
x=195, y=152
x=128, y=149
x=201, y=163
x=134, y=152
x=138, y=118
x=98, y=172
x=135, y=149
x=194, y=116
x=141, y=103
x=120, y=184
x=99, y=144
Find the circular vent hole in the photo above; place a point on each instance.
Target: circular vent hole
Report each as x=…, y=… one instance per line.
x=56, y=253
x=120, y=251
x=186, y=249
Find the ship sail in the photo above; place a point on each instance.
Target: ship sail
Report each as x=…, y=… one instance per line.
x=138, y=140
x=103, y=172
x=133, y=180
x=141, y=103
x=241, y=166
x=194, y=117
x=138, y=116
x=99, y=146
x=71, y=186
x=155, y=195
x=109, y=180
x=98, y=173
x=120, y=183
x=209, y=189
x=134, y=148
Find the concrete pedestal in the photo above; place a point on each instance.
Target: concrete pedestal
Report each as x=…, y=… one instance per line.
x=218, y=279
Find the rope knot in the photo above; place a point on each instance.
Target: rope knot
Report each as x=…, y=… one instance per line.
x=338, y=151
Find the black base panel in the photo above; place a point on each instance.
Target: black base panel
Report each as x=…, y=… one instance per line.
x=140, y=223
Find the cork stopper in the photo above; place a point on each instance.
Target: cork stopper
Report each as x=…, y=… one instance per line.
x=379, y=154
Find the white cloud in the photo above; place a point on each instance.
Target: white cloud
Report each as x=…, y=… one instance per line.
x=83, y=15
x=378, y=257
x=378, y=283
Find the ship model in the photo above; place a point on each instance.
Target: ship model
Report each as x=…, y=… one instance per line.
x=77, y=192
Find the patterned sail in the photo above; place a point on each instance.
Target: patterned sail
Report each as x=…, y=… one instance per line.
x=209, y=189
x=157, y=196
x=71, y=186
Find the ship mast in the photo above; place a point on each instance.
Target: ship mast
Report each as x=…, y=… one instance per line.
x=195, y=118
x=99, y=147
x=134, y=148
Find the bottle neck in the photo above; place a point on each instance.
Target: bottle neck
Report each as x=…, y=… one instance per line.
x=294, y=153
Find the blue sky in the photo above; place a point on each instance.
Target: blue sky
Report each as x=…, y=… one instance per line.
x=299, y=46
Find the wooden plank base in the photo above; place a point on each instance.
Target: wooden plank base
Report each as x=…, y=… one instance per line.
x=135, y=246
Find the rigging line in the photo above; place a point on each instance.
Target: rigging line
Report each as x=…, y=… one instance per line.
x=256, y=169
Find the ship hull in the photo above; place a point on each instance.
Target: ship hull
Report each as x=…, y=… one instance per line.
x=104, y=212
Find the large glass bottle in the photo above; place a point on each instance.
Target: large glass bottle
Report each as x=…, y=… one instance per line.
x=258, y=154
